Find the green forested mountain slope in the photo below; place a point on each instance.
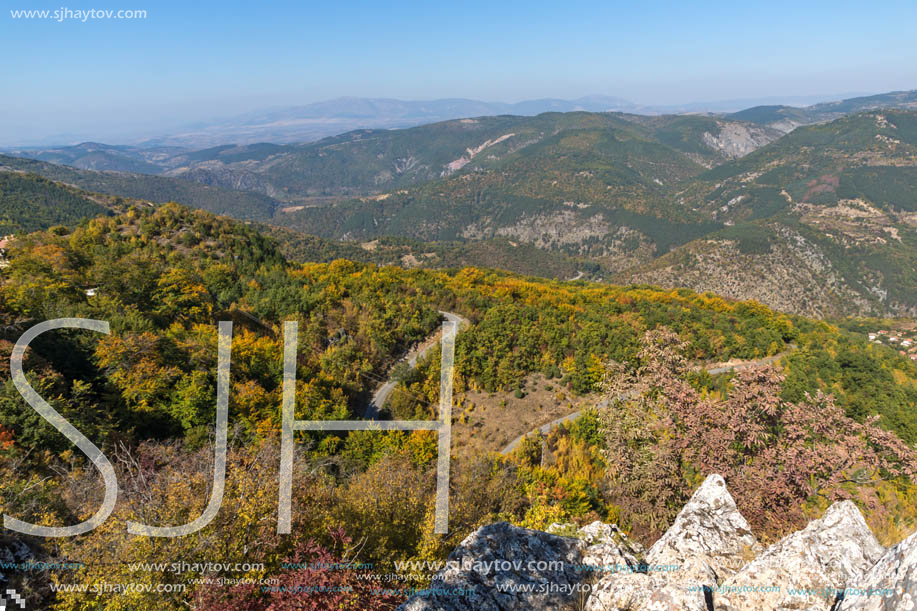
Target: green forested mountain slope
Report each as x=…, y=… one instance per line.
x=164, y=277
x=500, y=253
x=240, y=204
x=785, y=118
x=29, y=202
x=596, y=184
x=367, y=162
x=155, y=268
x=103, y=157
x=871, y=155
x=822, y=221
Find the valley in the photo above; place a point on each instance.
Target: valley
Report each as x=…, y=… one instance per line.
x=817, y=220
x=608, y=364
x=459, y=307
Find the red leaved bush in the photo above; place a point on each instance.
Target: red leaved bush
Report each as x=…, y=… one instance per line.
x=322, y=581
x=662, y=438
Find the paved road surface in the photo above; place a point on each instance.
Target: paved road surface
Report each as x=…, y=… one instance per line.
x=384, y=391
x=712, y=370
x=748, y=364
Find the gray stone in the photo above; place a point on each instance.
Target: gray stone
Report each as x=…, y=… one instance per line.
x=692, y=567
x=644, y=592
x=609, y=549
x=608, y=557
x=13, y=551
x=709, y=529
x=822, y=558
x=890, y=584
x=709, y=537
x=502, y=567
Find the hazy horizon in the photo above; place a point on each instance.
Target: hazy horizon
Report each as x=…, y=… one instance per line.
x=115, y=80
x=142, y=134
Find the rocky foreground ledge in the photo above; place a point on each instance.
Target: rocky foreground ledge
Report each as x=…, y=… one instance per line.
x=708, y=560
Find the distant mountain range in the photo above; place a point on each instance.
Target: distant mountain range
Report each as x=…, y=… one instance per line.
x=809, y=210
x=786, y=118
x=312, y=122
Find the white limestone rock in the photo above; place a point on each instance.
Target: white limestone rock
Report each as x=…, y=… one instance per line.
x=805, y=569
x=693, y=566
x=891, y=583
x=708, y=538
x=709, y=529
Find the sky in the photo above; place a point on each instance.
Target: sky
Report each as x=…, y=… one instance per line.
x=195, y=60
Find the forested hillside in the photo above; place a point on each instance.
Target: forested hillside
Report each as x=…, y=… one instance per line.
x=365, y=162
x=822, y=221
x=786, y=118
x=146, y=393
x=29, y=202
x=819, y=222
x=157, y=189
x=500, y=253
x=370, y=161
x=581, y=183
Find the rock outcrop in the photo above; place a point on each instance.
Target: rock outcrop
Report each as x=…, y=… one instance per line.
x=503, y=567
x=710, y=530
x=609, y=548
x=707, y=560
x=806, y=569
x=709, y=539
x=890, y=584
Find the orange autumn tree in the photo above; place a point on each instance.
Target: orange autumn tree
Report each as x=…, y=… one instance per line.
x=6, y=438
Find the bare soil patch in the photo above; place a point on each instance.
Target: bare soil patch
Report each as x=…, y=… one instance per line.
x=486, y=422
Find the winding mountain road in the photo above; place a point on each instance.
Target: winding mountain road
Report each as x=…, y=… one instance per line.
x=384, y=391
x=713, y=369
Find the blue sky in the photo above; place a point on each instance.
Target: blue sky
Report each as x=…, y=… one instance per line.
x=193, y=60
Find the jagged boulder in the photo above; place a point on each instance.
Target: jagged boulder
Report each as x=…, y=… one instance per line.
x=709, y=530
x=598, y=532
x=502, y=567
x=604, y=558
x=692, y=567
x=609, y=548
x=806, y=569
x=642, y=592
x=890, y=584
x=709, y=538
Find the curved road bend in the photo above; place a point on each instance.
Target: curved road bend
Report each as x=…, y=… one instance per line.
x=713, y=369
x=384, y=391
